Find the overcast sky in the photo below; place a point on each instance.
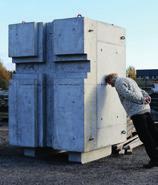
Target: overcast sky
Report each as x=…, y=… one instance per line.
x=138, y=17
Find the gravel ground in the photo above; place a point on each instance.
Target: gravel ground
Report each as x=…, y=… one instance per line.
x=55, y=169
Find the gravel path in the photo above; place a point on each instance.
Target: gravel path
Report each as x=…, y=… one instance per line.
x=15, y=169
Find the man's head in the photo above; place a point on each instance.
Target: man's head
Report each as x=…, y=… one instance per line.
x=110, y=79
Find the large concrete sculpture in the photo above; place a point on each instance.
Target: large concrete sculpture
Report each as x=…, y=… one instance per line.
x=57, y=96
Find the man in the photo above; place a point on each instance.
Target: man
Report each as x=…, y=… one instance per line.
x=136, y=103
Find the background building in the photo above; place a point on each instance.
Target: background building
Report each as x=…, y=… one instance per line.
x=147, y=74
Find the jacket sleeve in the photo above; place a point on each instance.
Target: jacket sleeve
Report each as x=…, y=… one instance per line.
x=145, y=94
x=129, y=95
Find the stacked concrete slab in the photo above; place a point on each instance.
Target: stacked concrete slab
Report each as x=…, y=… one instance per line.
x=57, y=97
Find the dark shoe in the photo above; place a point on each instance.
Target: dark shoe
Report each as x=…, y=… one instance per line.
x=151, y=164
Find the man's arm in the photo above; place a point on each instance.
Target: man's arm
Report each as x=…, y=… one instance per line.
x=147, y=98
x=144, y=92
x=126, y=93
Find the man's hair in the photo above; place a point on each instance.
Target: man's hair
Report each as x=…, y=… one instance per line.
x=110, y=76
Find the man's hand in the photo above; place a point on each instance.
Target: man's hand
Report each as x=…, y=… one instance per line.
x=147, y=100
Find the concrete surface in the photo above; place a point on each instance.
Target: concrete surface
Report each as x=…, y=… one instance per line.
x=58, y=96
x=26, y=41
x=90, y=156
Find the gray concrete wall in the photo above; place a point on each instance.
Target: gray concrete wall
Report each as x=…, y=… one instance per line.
x=57, y=97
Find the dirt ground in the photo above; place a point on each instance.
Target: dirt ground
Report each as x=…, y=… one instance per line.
x=15, y=169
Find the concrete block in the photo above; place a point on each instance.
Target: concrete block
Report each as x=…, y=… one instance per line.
x=26, y=42
x=23, y=40
x=68, y=114
x=27, y=110
x=58, y=98
x=22, y=122
x=30, y=152
x=89, y=156
x=71, y=40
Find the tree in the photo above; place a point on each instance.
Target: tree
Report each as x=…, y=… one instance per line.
x=5, y=76
x=131, y=72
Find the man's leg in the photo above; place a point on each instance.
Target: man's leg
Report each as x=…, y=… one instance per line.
x=152, y=127
x=141, y=124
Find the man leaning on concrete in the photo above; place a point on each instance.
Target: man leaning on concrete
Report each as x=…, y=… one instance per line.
x=136, y=103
